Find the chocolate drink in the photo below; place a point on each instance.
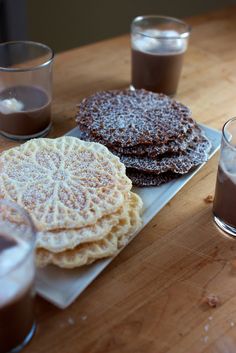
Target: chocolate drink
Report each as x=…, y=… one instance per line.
x=34, y=115
x=224, y=206
x=156, y=72
x=16, y=294
x=157, y=58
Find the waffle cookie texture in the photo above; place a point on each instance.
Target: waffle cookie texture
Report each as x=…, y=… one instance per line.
x=77, y=194
x=109, y=245
x=153, y=135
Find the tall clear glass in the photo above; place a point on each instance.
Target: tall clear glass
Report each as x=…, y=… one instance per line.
x=17, y=272
x=158, y=44
x=25, y=89
x=224, y=206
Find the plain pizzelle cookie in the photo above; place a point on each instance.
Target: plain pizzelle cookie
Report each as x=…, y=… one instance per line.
x=87, y=253
x=63, y=182
x=64, y=239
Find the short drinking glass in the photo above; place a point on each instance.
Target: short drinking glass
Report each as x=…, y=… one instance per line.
x=25, y=89
x=224, y=206
x=17, y=272
x=158, y=44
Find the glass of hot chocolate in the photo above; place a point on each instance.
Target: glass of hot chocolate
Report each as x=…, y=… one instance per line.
x=224, y=206
x=158, y=44
x=17, y=272
x=25, y=89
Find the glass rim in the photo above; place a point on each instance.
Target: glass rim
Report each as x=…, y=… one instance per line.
x=30, y=68
x=228, y=122
x=185, y=34
x=32, y=243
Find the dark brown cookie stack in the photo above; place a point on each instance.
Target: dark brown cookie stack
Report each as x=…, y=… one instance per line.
x=154, y=136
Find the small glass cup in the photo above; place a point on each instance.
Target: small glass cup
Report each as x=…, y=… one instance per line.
x=224, y=206
x=25, y=89
x=17, y=272
x=158, y=44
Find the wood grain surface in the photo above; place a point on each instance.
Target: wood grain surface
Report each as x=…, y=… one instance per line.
x=152, y=298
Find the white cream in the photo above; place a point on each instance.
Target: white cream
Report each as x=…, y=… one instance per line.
x=150, y=42
x=11, y=105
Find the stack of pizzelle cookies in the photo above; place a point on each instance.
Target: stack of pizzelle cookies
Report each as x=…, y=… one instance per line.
x=78, y=196
x=154, y=136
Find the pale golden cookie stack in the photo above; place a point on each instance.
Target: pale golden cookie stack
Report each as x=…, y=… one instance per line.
x=78, y=196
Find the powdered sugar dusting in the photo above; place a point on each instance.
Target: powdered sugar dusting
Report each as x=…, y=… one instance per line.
x=61, y=182
x=140, y=178
x=177, y=163
x=151, y=150
x=128, y=118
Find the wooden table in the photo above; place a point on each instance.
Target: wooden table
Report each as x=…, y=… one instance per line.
x=151, y=299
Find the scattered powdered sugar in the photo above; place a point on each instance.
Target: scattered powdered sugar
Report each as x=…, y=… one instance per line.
x=205, y=338
x=71, y=321
x=83, y=317
x=206, y=328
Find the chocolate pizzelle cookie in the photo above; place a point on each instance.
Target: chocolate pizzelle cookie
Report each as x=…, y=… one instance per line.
x=140, y=178
x=153, y=135
x=129, y=118
x=181, y=163
x=178, y=145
